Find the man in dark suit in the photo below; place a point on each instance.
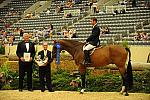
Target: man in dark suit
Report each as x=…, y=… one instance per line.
x=25, y=52
x=92, y=41
x=45, y=70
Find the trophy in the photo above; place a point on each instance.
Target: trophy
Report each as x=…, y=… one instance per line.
x=41, y=62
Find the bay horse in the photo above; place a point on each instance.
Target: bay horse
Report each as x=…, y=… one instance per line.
x=111, y=54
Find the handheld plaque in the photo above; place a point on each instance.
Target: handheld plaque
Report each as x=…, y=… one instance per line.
x=26, y=57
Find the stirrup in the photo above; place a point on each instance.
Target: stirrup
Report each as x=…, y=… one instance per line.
x=86, y=63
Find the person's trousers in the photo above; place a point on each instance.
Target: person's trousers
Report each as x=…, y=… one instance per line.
x=88, y=47
x=45, y=72
x=25, y=67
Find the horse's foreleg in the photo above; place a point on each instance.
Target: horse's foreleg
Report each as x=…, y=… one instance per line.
x=82, y=73
x=83, y=80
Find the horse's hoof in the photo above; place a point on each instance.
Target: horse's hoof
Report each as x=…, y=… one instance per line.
x=82, y=91
x=126, y=94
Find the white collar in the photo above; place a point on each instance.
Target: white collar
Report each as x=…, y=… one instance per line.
x=94, y=25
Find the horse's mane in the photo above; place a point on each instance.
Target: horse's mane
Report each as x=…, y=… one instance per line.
x=71, y=42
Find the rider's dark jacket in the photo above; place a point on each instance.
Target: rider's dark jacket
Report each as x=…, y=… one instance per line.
x=94, y=37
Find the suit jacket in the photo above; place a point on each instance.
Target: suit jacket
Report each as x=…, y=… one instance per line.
x=48, y=55
x=21, y=49
x=94, y=37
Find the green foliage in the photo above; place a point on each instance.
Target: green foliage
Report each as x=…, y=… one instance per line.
x=9, y=77
x=141, y=82
x=4, y=69
x=61, y=80
x=2, y=49
x=107, y=82
x=104, y=83
x=6, y=87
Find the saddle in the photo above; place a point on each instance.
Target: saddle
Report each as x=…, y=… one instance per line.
x=93, y=49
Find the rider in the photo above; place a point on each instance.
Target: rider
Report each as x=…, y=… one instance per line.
x=92, y=41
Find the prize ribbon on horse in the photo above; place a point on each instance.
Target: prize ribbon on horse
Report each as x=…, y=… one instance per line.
x=58, y=54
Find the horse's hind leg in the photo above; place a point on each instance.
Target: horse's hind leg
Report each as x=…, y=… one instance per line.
x=122, y=71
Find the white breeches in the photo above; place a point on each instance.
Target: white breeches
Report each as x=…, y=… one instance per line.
x=88, y=47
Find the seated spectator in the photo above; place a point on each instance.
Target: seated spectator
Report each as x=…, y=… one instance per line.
x=69, y=4
x=17, y=30
x=97, y=10
x=133, y=3
x=47, y=12
x=144, y=36
x=11, y=40
x=65, y=33
x=58, y=9
x=68, y=15
x=7, y=25
x=77, y=1
x=2, y=20
x=29, y=15
x=45, y=32
x=115, y=12
x=105, y=30
x=50, y=27
x=51, y=31
x=94, y=7
x=72, y=33
x=30, y=35
x=21, y=33
x=137, y=36
x=123, y=2
x=40, y=32
x=59, y=33
x=89, y=4
x=36, y=36
x=122, y=11
x=4, y=37
x=147, y=3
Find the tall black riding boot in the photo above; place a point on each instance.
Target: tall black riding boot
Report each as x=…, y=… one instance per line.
x=87, y=57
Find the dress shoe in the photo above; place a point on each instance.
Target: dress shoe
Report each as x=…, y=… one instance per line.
x=42, y=90
x=20, y=90
x=50, y=90
x=30, y=90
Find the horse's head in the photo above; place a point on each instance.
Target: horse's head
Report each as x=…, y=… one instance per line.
x=71, y=46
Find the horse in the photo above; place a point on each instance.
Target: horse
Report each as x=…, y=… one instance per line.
x=102, y=56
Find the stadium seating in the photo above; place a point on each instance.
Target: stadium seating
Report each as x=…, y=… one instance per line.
x=120, y=25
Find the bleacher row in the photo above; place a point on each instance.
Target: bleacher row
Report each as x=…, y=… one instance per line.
x=119, y=25
x=18, y=6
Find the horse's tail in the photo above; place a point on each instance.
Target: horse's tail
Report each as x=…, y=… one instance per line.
x=129, y=71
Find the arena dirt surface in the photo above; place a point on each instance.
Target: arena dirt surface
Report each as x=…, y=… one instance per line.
x=69, y=95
